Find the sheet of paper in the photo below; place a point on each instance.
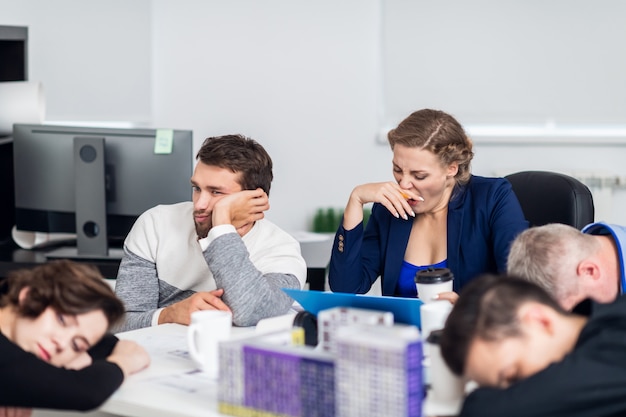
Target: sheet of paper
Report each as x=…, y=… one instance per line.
x=167, y=346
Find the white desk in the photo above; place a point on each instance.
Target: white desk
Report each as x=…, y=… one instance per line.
x=170, y=387
x=315, y=247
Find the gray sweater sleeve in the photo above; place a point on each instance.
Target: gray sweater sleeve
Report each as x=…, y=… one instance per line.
x=249, y=293
x=137, y=285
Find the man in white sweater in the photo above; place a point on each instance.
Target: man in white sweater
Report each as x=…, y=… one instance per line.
x=217, y=252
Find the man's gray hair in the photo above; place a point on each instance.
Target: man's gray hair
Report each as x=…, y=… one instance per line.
x=549, y=255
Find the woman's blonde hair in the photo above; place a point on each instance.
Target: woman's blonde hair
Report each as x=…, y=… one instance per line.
x=439, y=133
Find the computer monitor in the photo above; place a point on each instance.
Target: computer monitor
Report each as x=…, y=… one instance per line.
x=96, y=181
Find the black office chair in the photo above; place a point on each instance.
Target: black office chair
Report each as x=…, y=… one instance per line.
x=551, y=197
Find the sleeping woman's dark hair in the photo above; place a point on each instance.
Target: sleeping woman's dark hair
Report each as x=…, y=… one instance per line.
x=66, y=286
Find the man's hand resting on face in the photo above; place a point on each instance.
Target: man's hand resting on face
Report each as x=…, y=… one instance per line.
x=241, y=209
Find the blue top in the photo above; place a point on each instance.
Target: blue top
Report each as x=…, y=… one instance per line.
x=619, y=236
x=406, y=283
x=484, y=216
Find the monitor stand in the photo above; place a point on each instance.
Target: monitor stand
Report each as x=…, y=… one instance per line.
x=90, y=200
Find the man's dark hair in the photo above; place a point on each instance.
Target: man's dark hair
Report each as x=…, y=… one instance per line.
x=240, y=155
x=487, y=309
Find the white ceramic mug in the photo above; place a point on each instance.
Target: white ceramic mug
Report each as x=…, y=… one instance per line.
x=207, y=329
x=431, y=282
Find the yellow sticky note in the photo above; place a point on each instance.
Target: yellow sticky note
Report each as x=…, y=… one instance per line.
x=163, y=141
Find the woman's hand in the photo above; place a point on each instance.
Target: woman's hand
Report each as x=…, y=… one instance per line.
x=129, y=356
x=81, y=361
x=448, y=295
x=15, y=412
x=389, y=194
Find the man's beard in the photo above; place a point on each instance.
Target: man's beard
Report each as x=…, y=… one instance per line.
x=202, y=230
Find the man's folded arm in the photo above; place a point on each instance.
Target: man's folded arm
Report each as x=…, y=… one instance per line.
x=249, y=293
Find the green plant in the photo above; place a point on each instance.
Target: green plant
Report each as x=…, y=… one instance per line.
x=327, y=220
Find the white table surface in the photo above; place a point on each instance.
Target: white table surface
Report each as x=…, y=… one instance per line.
x=172, y=386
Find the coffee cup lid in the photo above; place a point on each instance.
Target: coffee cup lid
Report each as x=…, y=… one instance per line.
x=433, y=276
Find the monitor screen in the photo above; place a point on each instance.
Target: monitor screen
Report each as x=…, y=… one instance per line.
x=66, y=175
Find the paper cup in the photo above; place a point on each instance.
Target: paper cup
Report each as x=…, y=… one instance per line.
x=431, y=282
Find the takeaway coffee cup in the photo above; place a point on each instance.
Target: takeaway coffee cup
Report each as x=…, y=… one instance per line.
x=433, y=281
x=207, y=329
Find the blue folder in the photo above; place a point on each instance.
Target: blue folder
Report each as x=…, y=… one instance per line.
x=405, y=310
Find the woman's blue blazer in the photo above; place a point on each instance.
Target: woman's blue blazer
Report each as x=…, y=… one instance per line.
x=484, y=216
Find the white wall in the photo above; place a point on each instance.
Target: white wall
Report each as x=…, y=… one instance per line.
x=507, y=61
x=555, y=65
x=300, y=77
x=306, y=79
x=93, y=57
x=316, y=81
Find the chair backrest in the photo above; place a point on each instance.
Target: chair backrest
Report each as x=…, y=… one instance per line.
x=551, y=197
